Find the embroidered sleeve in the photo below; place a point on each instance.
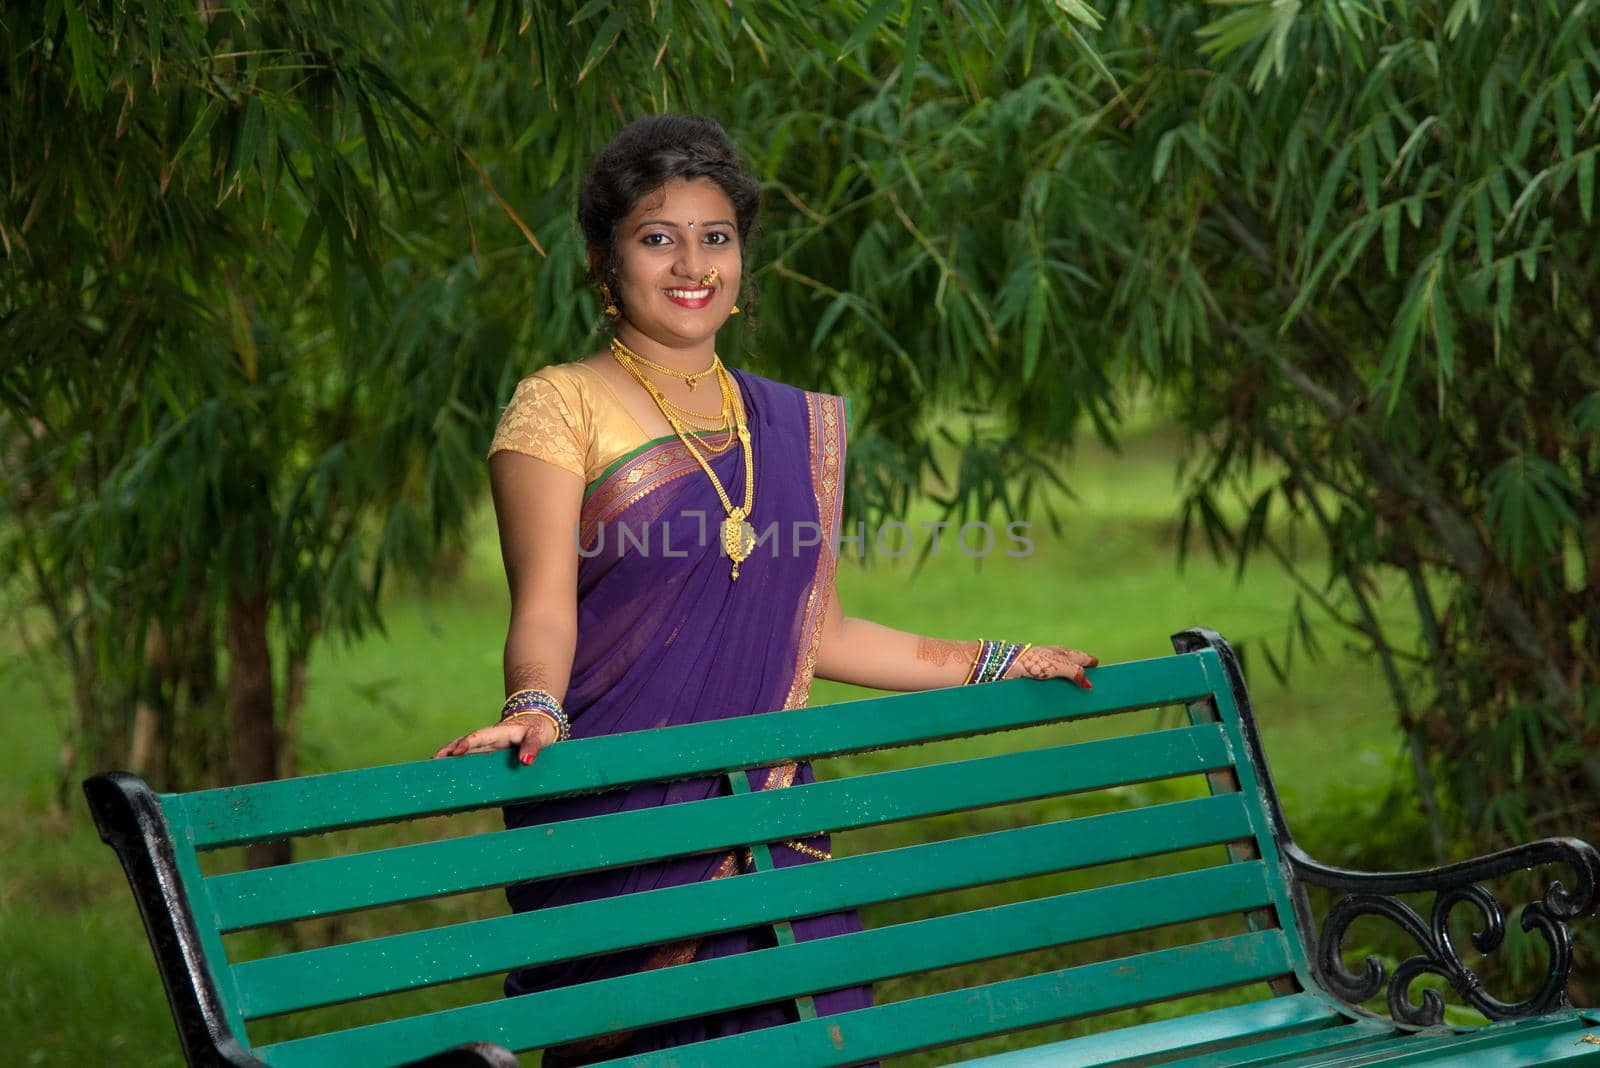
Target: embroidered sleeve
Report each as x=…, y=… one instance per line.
x=539, y=422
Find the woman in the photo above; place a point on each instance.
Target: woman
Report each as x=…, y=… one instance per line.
x=627, y=512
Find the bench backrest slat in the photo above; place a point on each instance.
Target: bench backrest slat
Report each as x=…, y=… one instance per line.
x=317, y=977
x=996, y=1008
x=241, y=814
x=389, y=876
x=763, y=976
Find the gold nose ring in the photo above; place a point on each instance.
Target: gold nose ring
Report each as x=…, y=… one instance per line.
x=710, y=276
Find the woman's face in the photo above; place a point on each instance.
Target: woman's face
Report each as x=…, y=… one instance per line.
x=666, y=246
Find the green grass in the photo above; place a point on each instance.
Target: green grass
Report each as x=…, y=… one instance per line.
x=72, y=954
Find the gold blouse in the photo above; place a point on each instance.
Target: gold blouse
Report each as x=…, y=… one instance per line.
x=568, y=414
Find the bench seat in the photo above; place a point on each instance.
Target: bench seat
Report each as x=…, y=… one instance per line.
x=1137, y=896
x=1305, y=1030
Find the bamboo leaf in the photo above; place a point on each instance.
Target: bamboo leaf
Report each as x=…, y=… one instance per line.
x=1483, y=224
x=1501, y=191
x=1444, y=335
x=868, y=25
x=1329, y=186
x=1561, y=105
x=910, y=55
x=1391, y=237
x=85, y=61
x=1586, y=185
x=1033, y=329
x=1367, y=159
x=1403, y=336
x=605, y=39
x=1460, y=12
x=1158, y=167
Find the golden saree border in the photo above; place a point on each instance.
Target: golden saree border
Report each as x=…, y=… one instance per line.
x=632, y=482
x=826, y=416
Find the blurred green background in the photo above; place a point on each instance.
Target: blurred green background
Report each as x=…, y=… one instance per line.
x=1286, y=310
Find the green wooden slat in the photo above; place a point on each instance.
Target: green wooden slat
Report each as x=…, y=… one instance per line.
x=769, y=975
x=308, y=979
x=1332, y=1043
x=1015, y=1004
x=240, y=814
x=313, y=888
x=1557, y=1038
x=1294, y=1014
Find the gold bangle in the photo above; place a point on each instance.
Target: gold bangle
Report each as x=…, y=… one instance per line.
x=542, y=714
x=977, y=662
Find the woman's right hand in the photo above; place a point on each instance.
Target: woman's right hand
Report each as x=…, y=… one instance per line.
x=527, y=734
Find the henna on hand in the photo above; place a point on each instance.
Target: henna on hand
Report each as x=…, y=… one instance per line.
x=1054, y=662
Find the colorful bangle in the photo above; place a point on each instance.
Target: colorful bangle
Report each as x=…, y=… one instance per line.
x=530, y=694
x=529, y=699
x=542, y=703
x=993, y=660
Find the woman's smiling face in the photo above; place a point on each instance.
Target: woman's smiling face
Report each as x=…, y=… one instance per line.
x=666, y=246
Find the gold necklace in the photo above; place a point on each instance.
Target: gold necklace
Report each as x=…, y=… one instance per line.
x=724, y=421
x=738, y=536
x=732, y=410
x=690, y=379
x=628, y=358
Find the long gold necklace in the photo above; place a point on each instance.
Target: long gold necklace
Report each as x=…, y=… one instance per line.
x=689, y=379
x=738, y=536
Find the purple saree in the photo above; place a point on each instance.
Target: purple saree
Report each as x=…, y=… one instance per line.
x=665, y=638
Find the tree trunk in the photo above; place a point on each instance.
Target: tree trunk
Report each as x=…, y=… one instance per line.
x=144, y=752
x=250, y=707
x=152, y=712
x=294, y=700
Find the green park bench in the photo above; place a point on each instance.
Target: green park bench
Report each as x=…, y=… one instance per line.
x=1250, y=872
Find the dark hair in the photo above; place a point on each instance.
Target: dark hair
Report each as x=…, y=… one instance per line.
x=646, y=155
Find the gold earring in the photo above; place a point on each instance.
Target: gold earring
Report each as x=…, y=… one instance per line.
x=735, y=310
x=610, y=308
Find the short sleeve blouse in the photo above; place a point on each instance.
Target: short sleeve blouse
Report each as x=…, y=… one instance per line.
x=544, y=420
x=568, y=415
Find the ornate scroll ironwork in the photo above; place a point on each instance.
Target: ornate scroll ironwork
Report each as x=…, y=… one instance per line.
x=1452, y=886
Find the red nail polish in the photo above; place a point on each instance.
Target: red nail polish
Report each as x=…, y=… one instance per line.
x=527, y=758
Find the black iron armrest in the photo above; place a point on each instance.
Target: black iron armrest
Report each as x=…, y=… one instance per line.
x=1451, y=885
x=128, y=816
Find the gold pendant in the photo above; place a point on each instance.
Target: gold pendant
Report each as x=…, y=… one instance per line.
x=738, y=538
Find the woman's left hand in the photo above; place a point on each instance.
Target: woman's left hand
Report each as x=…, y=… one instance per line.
x=1054, y=662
